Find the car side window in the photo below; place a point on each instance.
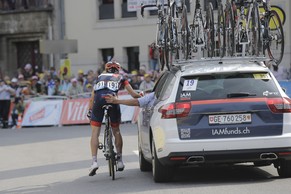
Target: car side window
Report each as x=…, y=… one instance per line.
x=160, y=84
x=169, y=83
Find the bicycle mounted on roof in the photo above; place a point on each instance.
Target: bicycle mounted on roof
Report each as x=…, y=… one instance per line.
x=239, y=31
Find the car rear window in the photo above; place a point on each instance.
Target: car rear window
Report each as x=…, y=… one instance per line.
x=228, y=85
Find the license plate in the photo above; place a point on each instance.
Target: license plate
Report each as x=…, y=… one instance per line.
x=230, y=118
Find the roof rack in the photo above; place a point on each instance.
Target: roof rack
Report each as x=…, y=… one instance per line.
x=191, y=62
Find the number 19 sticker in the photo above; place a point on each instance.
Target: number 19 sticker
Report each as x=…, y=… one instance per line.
x=190, y=85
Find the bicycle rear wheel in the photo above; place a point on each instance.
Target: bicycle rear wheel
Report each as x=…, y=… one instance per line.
x=220, y=31
x=111, y=160
x=229, y=30
x=275, y=38
x=210, y=31
x=185, y=34
x=255, y=32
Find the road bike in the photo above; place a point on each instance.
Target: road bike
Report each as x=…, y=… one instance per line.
x=162, y=32
x=202, y=30
x=243, y=27
x=272, y=32
x=108, y=147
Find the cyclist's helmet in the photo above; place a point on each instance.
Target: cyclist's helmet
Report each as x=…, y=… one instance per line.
x=112, y=67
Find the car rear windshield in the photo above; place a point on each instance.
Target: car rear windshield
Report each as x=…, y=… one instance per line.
x=228, y=85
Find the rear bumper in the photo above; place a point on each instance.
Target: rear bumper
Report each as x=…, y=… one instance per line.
x=229, y=156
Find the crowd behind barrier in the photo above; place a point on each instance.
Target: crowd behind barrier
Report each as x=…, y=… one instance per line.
x=29, y=84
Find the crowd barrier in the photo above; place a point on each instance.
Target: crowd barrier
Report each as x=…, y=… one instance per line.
x=57, y=111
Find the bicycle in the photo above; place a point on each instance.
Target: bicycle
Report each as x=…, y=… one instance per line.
x=162, y=32
x=108, y=147
x=220, y=30
x=243, y=29
x=272, y=32
x=202, y=32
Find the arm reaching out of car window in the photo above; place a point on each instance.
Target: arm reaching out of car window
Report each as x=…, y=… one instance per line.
x=141, y=102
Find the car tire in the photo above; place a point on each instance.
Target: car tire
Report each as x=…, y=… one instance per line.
x=161, y=173
x=144, y=165
x=284, y=168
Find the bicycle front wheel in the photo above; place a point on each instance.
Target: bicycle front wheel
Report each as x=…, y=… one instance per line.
x=185, y=34
x=275, y=38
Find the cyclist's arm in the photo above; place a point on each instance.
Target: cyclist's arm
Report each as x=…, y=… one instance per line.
x=91, y=100
x=133, y=93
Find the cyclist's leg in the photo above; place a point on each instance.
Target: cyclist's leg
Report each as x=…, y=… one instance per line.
x=115, y=118
x=96, y=122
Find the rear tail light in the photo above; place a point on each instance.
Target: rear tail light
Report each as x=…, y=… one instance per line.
x=279, y=105
x=175, y=110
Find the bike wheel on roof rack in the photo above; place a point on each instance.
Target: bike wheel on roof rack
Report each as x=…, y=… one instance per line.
x=275, y=40
x=185, y=34
x=220, y=47
x=229, y=30
x=210, y=30
x=255, y=32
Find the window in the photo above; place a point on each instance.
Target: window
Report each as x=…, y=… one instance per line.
x=132, y=58
x=125, y=13
x=106, y=9
x=107, y=54
x=221, y=86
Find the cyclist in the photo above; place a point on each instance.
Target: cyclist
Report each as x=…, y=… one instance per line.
x=108, y=82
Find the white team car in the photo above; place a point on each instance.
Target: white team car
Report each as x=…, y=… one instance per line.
x=215, y=111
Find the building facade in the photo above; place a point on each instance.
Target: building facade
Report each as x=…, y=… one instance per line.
x=105, y=29
x=23, y=24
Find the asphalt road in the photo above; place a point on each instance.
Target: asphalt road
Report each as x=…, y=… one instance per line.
x=57, y=159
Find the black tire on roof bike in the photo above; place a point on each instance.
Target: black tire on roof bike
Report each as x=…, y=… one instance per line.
x=185, y=34
x=210, y=30
x=166, y=48
x=220, y=31
x=229, y=30
x=278, y=44
x=255, y=32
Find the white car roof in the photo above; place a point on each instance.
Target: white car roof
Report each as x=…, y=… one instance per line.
x=218, y=65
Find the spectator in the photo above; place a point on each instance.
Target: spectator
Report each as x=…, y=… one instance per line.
x=58, y=87
x=49, y=85
x=27, y=91
x=36, y=86
x=74, y=89
x=28, y=71
x=65, y=85
x=142, y=70
x=147, y=83
x=14, y=85
x=89, y=80
x=88, y=88
x=17, y=110
x=154, y=56
x=134, y=82
x=81, y=76
x=5, y=99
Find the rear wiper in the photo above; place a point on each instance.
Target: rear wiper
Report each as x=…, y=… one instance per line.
x=239, y=94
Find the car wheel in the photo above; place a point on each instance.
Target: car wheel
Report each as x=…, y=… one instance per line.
x=284, y=168
x=161, y=173
x=144, y=165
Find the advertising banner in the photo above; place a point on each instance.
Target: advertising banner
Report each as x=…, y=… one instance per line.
x=43, y=113
x=75, y=112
